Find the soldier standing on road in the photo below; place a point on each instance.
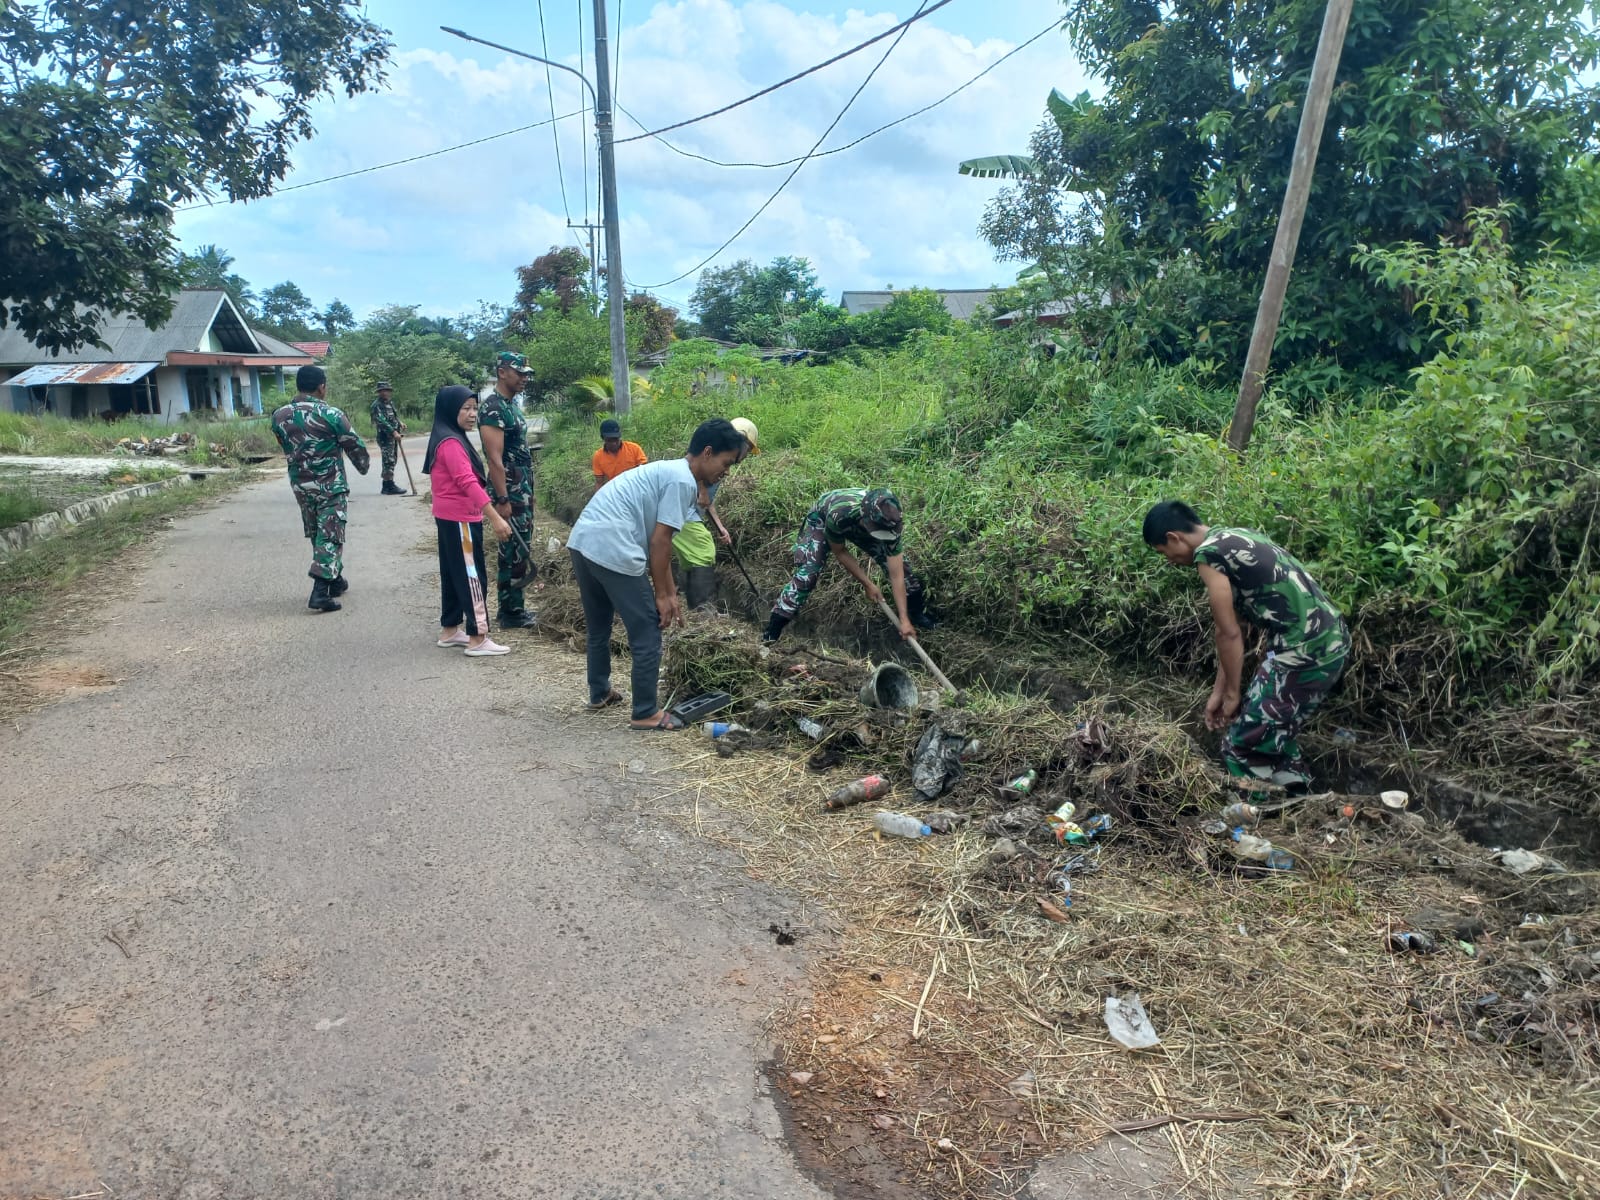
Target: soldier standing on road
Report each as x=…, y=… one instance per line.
x=314, y=434
x=504, y=434
x=1307, y=641
x=390, y=430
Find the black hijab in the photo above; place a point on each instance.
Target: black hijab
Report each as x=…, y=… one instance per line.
x=447, y=425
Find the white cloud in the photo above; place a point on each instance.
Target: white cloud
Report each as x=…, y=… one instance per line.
x=450, y=230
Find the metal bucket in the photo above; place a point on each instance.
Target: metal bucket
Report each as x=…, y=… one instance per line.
x=891, y=686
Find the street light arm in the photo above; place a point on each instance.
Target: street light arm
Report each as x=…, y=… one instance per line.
x=467, y=37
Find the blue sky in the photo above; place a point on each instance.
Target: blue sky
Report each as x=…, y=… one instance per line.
x=449, y=231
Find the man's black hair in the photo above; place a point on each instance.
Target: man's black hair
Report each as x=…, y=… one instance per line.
x=717, y=435
x=1170, y=516
x=309, y=378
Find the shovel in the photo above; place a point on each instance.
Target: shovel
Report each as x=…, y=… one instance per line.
x=401, y=442
x=754, y=591
x=921, y=653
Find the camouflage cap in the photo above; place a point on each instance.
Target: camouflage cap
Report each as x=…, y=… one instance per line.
x=385, y=386
x=880, y=513
x=517, y=362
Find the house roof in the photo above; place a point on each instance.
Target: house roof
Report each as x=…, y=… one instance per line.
x=195, y=312
x=55, y=374
x=315, y=349
x=960, y=303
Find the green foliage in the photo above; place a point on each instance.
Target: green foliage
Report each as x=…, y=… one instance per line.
x=746, y=303
x=1162, y=195
x=656, y=322
x=287, y=312
x=114, y=111
x=557, y=279
x=419, y=355
x=211, y=267
x=563, y=347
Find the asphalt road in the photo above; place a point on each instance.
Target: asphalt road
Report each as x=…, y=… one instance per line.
x=307, y=907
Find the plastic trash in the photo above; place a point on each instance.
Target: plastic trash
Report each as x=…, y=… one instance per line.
x=944, y=820
x=1395, y=799
x=810, y=728
x=715, y=729
x=936, y=766
x=1241, y=814
x=868, y=787
x=1066, y=812
x=1345, y=737
x=971, y=748
x=891, y=687
x=1129, y=1024
x=893, y=824
x=1403, y=940
x=1098, y=824
x=1019, y=787
x=1524, y=862
x=1260, y=851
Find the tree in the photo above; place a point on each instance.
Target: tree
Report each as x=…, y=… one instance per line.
x=714, y=295
x=397, y=345
x=112, y=112
x=1163, y=194
x=336, y=318
x=915, y=310
x=656, y=322
x=745, y=303
x=563, y=347
x=287, y=310
x=209, y=268
x=563, y=272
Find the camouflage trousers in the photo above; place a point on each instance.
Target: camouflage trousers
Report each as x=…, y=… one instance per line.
x=512, y=561
x=1260, y=744
x=323, y=518
x=390, y=449
x=811, y=554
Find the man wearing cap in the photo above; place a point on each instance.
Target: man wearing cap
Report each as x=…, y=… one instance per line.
x=390, y=430
x=615, y=455
x=504, y=434
x=693, y=545
x=870, y=519
x=314, y=435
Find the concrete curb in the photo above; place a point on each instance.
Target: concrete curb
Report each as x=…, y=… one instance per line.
x=20, y=537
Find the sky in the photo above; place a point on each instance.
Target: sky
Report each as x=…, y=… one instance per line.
x=449, y=231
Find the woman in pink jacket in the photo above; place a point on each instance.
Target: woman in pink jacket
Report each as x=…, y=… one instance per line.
x=460, y=504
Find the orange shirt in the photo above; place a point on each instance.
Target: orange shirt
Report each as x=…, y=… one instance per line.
x=608, y=466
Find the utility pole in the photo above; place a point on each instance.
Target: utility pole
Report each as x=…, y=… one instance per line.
x=594, y=259
x=615, y=295
x=1323, y=69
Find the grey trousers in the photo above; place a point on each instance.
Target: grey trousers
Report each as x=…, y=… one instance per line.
x=607, y=595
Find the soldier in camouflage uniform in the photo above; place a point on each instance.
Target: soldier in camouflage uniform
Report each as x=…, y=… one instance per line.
x=1307, y=641
x=390, y=430
x=504, y=434
x=313, y=435
x=866, y=518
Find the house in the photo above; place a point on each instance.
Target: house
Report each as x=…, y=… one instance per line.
x=1052, y=312
x=317, y=350
x=960, y=303
x=206, y=359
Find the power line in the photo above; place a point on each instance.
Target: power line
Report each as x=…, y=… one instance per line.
x=555, y=134
x=583, y=122
x=917, y=16
x=616, y=69
x=903, y=27
x=788, y=162
x=399, y=162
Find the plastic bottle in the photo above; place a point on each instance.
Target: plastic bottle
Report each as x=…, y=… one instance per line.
x=1020, y=786
x=1259, y=850
x=868, y=787
x=1241, y=814
x=810, y=728
x=715, y=729
x=893, y=824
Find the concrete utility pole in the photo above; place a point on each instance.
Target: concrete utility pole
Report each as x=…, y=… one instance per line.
x=615, y=294
x=594, y=258
x=1323, y=69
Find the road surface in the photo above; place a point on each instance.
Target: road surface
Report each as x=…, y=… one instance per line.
x=306, y=907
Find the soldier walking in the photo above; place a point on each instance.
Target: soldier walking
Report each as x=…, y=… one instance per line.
x=504, y=433
x=390, y=430
x=314, y=435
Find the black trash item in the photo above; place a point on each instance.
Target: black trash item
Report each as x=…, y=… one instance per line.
x=1413, y=941
x=937, y=765
x=700, y=707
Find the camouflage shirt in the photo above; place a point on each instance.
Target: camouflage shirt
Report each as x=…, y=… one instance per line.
x=313, y=435
x=385, y=418
x=497, y=412
x=841, y=515
x=1272, y=591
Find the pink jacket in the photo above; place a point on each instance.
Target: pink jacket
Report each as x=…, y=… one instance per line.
x=457, y=494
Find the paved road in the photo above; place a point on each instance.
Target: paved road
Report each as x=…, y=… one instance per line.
x=396, y=922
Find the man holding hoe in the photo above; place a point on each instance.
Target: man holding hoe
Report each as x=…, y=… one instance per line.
x=1307, y=641
x=503, y=431
x=386, y=420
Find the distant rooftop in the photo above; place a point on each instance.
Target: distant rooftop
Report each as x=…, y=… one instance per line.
x=960, y=303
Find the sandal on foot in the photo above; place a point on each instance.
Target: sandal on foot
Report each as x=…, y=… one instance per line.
x=665, y=723
x=611, y=697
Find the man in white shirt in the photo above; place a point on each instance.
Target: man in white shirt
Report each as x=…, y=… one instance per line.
x=622, y=544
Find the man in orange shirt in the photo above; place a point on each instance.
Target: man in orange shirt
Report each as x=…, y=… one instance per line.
x=615, y=455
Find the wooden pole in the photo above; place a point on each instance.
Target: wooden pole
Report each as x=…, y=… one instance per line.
x=1326, y=65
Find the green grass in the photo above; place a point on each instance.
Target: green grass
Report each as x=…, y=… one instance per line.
x=59, y=436
x=19, y=504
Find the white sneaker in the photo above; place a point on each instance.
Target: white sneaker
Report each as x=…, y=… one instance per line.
x=487, y=648
x=458, y=638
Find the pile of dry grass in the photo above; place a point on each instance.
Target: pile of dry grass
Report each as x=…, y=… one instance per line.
x=1301, y=1055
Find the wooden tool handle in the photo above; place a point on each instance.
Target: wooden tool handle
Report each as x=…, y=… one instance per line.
x=894, y=619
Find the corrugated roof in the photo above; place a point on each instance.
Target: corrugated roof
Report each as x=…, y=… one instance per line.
x=315, y=349
x=81, y=373
x=193, y=313
x=960, y=303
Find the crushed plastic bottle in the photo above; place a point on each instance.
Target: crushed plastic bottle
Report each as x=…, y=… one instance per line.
x=810, y=728
x=868, y=787
x=1019, y=787
x=1241, y=814
x=893, y=824
x=715, y=729
x=1261, y=852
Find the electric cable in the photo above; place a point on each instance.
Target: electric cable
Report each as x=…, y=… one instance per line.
x=904, y=26
x=917, y=16
x=555, y=134
x=583, y=122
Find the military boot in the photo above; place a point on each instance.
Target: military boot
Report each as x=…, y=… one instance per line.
x=339, y=585
x=917, y=610
x=322, y=597
x=701, y=591
x=390, y=489
x=775, y=627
